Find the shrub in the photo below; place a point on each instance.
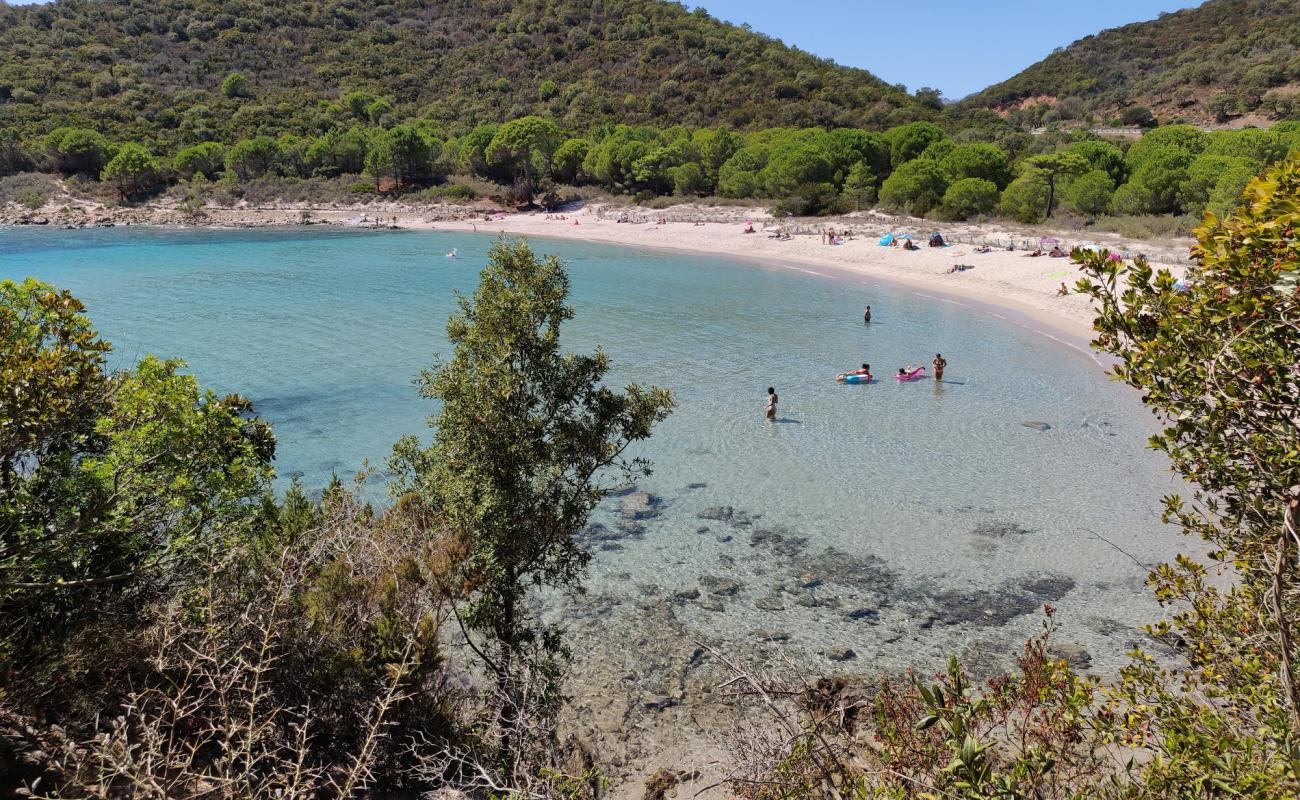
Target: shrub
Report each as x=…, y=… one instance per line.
x=207, y=159
x=133, y=171
x=977, y=160
x=969, y=197
x=235, y=86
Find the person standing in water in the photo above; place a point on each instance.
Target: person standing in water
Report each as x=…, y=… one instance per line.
x=771, y=403
x=939, y=363
x=866, y=315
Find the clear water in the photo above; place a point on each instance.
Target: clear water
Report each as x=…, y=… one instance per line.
x=934, y=499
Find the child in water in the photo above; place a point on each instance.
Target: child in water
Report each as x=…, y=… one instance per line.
x=771, y=403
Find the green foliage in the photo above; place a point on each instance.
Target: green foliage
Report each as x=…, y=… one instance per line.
x=1051, y=167
x=524, y=147
x=1215, y=358
x=112, y=486
x=970, y=196
x=915, y=187
x=1090, y=193
x=907, y=142
x=1103, y=156
x=134, y=171
x=1203, y=175
x=76, y=150
x=207, y=159
x=860, y=186
x=1025, y=198
x=253, y=158
x=1157, y=177
x=978, y=160
x=235, y=86
x=525, y=434
x=1178, y=64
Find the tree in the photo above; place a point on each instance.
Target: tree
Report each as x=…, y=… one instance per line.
x=566, y=164
x=526, y=443
x=524, y=147
x=1090, y=193
x=1159, y=176
x=111, y=487
x=76, y=150
x=906, y=142
x=1140, y=116
x=915, y=187
x=207, y=159
x=1102, y=155
x=1052, y=166
x=970, y=196
x=1203, y=175
x=1215, y=358
x=253, y=158
x=977, y=160
x=860, y=187
x=133, y=171
x=1025, y=198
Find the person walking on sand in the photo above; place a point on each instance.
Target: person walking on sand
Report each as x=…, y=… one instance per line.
x=939, y=363
x=771, y=403
x=866, y=315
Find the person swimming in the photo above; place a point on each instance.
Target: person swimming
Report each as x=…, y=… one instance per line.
x=866, y=370
x=452, y=254
x=770, y=411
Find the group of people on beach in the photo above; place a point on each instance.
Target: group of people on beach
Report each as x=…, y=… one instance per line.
x=939, y=364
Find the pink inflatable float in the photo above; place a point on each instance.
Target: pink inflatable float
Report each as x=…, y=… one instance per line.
x=910, y=376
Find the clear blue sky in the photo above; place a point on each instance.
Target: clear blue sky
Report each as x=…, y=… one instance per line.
x=956, y=46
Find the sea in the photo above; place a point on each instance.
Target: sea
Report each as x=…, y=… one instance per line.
x=901, y=521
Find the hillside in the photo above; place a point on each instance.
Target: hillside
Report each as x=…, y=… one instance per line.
x=1221, y=60
x=158, y=69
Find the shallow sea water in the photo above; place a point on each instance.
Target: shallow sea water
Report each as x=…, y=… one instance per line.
x=903, y=521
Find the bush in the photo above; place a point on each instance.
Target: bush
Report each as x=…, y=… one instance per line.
x=978, y=160
x=207, y=159
x=914, y=188
x=235, y=85
x=133, y=171
x=1025, y=198
x=969, y=197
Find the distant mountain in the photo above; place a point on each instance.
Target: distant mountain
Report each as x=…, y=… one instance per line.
x=159, y=69
x=1223, y=59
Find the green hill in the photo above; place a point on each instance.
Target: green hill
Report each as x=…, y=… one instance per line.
x=158, y=70
x=1223, y=59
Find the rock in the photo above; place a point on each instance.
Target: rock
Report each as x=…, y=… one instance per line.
x=702, y=529
x=1036, y=425
x=640, y=505
x=843, y=654
x=808, y=601
x=720, y=513
x=686, y=594
x=765, y=635
x=630, y=528
x=722, y=587
x=698, y=485
x=770, y=603
x=1000, y=530
x=764, y=536
x=809, y=580
x=659, y=702
x=723, y=537
x=648, y=589
x=864, y=613
x=1078, y=657
x=610, y=547
x=712, y=604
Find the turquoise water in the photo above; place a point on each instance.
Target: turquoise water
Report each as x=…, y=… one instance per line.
x=924, y=516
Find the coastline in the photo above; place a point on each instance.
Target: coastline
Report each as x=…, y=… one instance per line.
x=1008, y=285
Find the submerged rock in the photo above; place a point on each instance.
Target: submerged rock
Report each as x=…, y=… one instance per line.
x=696, y=485
x=1037, y=425
x=686, y=594
x=842, y=654
x=869, y=614
x=712, y=604
x=723, y=587
x=765, y=635
x=640, y=505
x=1000, y=530
x=772, y=602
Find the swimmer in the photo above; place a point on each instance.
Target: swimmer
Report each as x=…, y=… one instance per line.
x=866, y=370
x=771, y=403
x=452, y=254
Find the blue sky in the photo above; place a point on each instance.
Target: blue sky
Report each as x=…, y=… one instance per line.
x=956, y=46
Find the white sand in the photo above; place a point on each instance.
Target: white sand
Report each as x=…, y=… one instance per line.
x=1001, y=280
